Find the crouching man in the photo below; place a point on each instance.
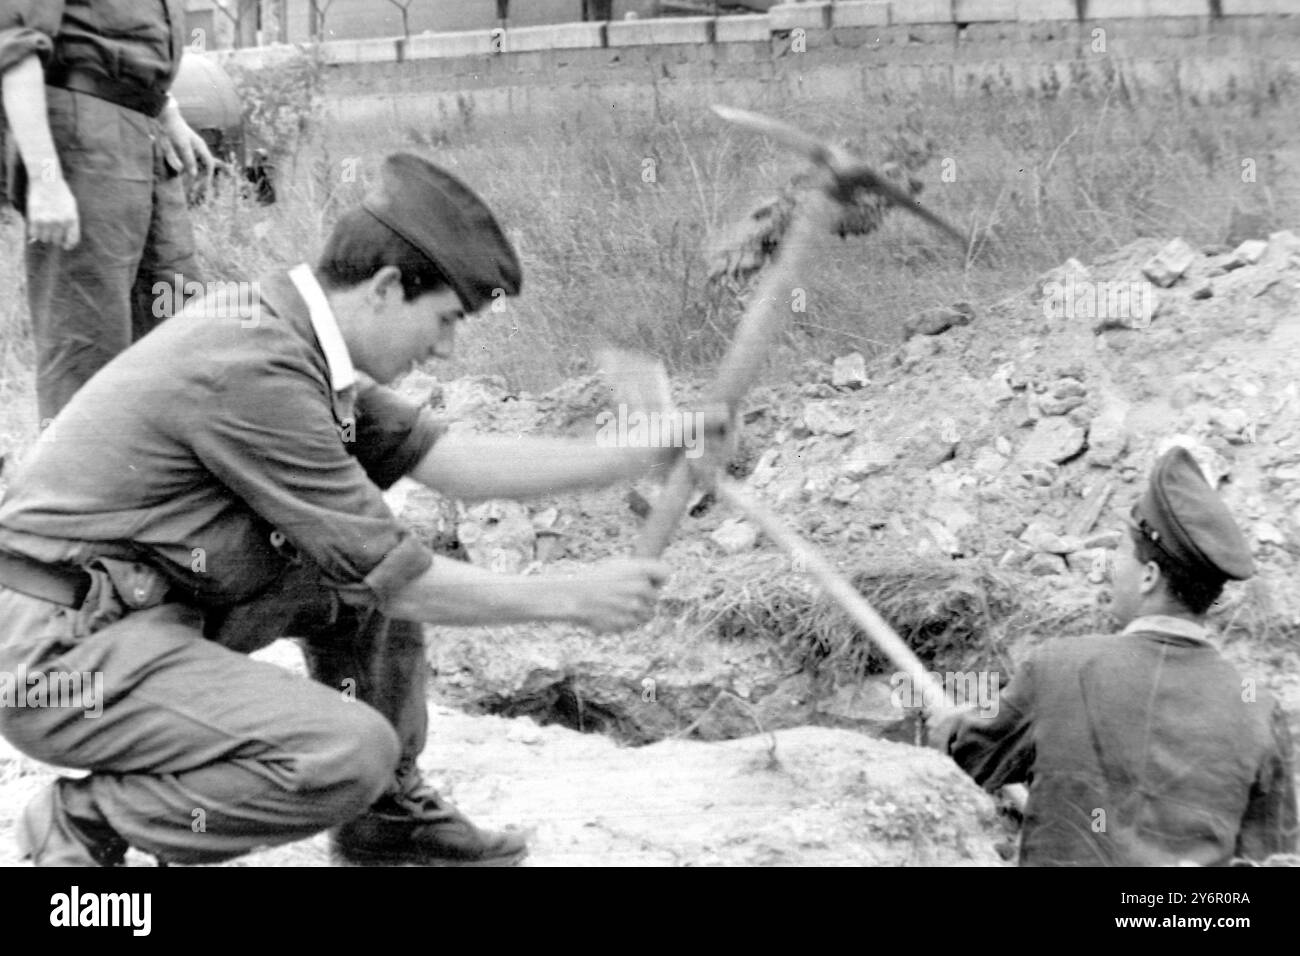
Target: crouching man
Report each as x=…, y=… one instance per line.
x=1146, y=747
x=218, y=486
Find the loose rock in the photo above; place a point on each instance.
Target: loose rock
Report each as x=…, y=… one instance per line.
x=1169, y=264
x=735, y=536
x=1053, y=440
x=939, y=320
x=850, y=371
x=822, y=418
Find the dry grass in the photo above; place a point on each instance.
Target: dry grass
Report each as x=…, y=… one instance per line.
x=611, y=258
x=955, y=615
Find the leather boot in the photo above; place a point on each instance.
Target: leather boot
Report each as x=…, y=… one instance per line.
x=48, y=835
x=419, y=827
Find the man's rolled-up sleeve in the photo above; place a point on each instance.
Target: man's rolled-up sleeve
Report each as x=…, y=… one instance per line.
x=269, y=435
x=27, y=27
x=393, y=434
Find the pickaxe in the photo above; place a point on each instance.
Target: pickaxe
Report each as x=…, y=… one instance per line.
x=763, y=319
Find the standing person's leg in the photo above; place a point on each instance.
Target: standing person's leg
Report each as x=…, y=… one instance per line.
x=80, y=299
x=197, y=754
x=169, y=255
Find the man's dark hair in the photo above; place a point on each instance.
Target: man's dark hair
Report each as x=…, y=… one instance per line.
x=1193, y=589
x=360, y=245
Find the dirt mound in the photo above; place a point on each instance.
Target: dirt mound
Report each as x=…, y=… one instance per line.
x=799, y=797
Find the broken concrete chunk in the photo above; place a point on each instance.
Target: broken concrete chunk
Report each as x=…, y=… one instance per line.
x=1108, y=438
x=1053, y=440
x=850, y=371
x=844, y=491
x=735, y=536
x=1051, y=405
x=1040, y=536
x=944, y=539
x=866, y=459
x=822, y=418
x=1043, y=564
x=1246, y=254
x=1168, y=265
x=988, y=461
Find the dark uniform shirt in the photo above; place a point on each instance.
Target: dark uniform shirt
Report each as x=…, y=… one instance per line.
x=1141, y=749
x=136, y=42
x=211, y=437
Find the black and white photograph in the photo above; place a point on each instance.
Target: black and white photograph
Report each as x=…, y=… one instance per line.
x=650, y=434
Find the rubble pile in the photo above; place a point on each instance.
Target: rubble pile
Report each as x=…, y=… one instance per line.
x=1017, y=434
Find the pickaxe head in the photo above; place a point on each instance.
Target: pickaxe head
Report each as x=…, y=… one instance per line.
x=846, y=175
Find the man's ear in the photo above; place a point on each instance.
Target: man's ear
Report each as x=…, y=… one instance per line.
x=384, y=282
x=1152, y=578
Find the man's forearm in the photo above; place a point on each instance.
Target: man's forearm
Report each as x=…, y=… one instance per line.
x=476, y=468
x=24, y=104
x=454, y=593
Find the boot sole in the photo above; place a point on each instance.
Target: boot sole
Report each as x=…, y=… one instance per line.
x=354, y=858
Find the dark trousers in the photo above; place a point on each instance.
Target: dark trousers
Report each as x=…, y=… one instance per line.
x=201, y=754
x=89, y=303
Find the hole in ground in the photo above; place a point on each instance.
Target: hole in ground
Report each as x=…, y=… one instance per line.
x=561, y=703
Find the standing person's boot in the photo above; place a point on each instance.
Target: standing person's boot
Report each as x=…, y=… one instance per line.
x=419, y=827
x=49, y=835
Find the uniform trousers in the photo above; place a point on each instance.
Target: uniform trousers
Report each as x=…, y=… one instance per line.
x=200, y=753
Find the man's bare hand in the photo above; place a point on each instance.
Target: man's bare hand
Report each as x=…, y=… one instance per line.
x=185, y=150
x=942, y=723
x=52, y=210
x=616, y=595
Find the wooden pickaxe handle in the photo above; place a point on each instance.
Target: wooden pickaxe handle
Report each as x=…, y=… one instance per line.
x=842, y=591
x=760, y=324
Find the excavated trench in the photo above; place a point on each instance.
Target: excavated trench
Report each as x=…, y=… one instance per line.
x=805, y=666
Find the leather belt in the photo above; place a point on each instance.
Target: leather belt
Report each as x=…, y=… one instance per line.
x=127, y=95
x=58, y=584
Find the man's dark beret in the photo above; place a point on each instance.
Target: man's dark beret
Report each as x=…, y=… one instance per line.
x=1184, y=517
x=443, y=218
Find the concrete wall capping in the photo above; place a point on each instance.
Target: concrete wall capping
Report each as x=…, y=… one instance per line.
x=745, y=28
x=1144, y=9
x=808, y=15
x=435, y=45
x=381, y=50
x=921, y=11
x=921, y=20
x=661, y=30
x=1237, y=8
x=1033, y=11
x=860, y=13
x=983, y=11
x=559, y=36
